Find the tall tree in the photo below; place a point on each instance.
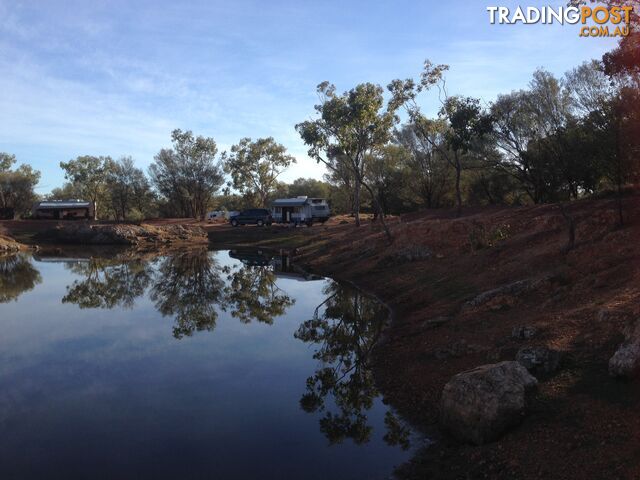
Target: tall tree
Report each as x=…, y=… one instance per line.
x=528, y=128
x=17, y=186
x=128, y=187
x=351, y=127
x=255, y=166
x=388, y=176
x=468, y=124
x=431, y=171
x=88, y=176
x=189, y=174
x=464, y=120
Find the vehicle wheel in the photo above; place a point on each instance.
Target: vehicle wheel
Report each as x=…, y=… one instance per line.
x=234, y=223
x=260, y=223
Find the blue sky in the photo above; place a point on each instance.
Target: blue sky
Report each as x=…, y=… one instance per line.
x=114, y=78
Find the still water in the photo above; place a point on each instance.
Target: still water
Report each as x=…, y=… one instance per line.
x=200, y=364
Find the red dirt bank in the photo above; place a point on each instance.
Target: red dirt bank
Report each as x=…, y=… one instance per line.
x=583, y=424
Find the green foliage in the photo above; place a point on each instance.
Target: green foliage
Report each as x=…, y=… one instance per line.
x=17, y=186
x=188, y=175
x=6, y=161
x=17, y=276
x=430, y=172
x=128, y=190
x=252, y=294
x=309, y=187
x=255, y=166
x=88, y=174
x=344, y=329
x=350, y=128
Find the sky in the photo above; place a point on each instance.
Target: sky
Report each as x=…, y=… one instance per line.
x=116, y=77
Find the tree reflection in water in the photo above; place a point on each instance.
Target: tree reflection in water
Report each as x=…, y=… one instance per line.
x=192, y=287
x=188, y=287
x=252, y=292
x=108, y=283
x=17, y=276
x=346, y=326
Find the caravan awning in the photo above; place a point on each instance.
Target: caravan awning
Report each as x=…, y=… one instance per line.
x=289, y=202
x=57, y=205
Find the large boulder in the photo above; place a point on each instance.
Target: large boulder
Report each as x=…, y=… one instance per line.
x=479, y=405
x=626, y=361
x=539, y=360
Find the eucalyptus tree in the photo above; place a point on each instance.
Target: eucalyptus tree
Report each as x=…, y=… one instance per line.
x=128, y=188
x=309, y=187
x=460, y=125
x=189, y=174
x=255, y=166
x=529, y=127
x=6, y=161
x=467, y=125
x=17, y=186
x=88, y=174
x=431, y=171
x=350, y=128
x=389, y=177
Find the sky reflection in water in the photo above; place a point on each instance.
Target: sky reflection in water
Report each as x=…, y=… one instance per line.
x=194, y=365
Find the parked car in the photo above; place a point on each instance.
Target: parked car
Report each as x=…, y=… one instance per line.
x=257, y=216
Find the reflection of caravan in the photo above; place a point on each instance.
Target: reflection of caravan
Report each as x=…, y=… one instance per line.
x=300, y=210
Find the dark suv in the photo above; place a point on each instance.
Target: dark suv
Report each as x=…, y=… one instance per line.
x=258, y=216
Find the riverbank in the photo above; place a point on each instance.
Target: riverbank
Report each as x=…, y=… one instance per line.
x=459, y=289
x=9, y=245
x=452, y=285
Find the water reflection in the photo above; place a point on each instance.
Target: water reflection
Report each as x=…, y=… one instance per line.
x=188, y=287
x=252, y=292
x=108, y=283
x=345, y=327
x=199, y=289
x=17, y=276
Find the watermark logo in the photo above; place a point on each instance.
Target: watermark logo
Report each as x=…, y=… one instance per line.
x=598, y=21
